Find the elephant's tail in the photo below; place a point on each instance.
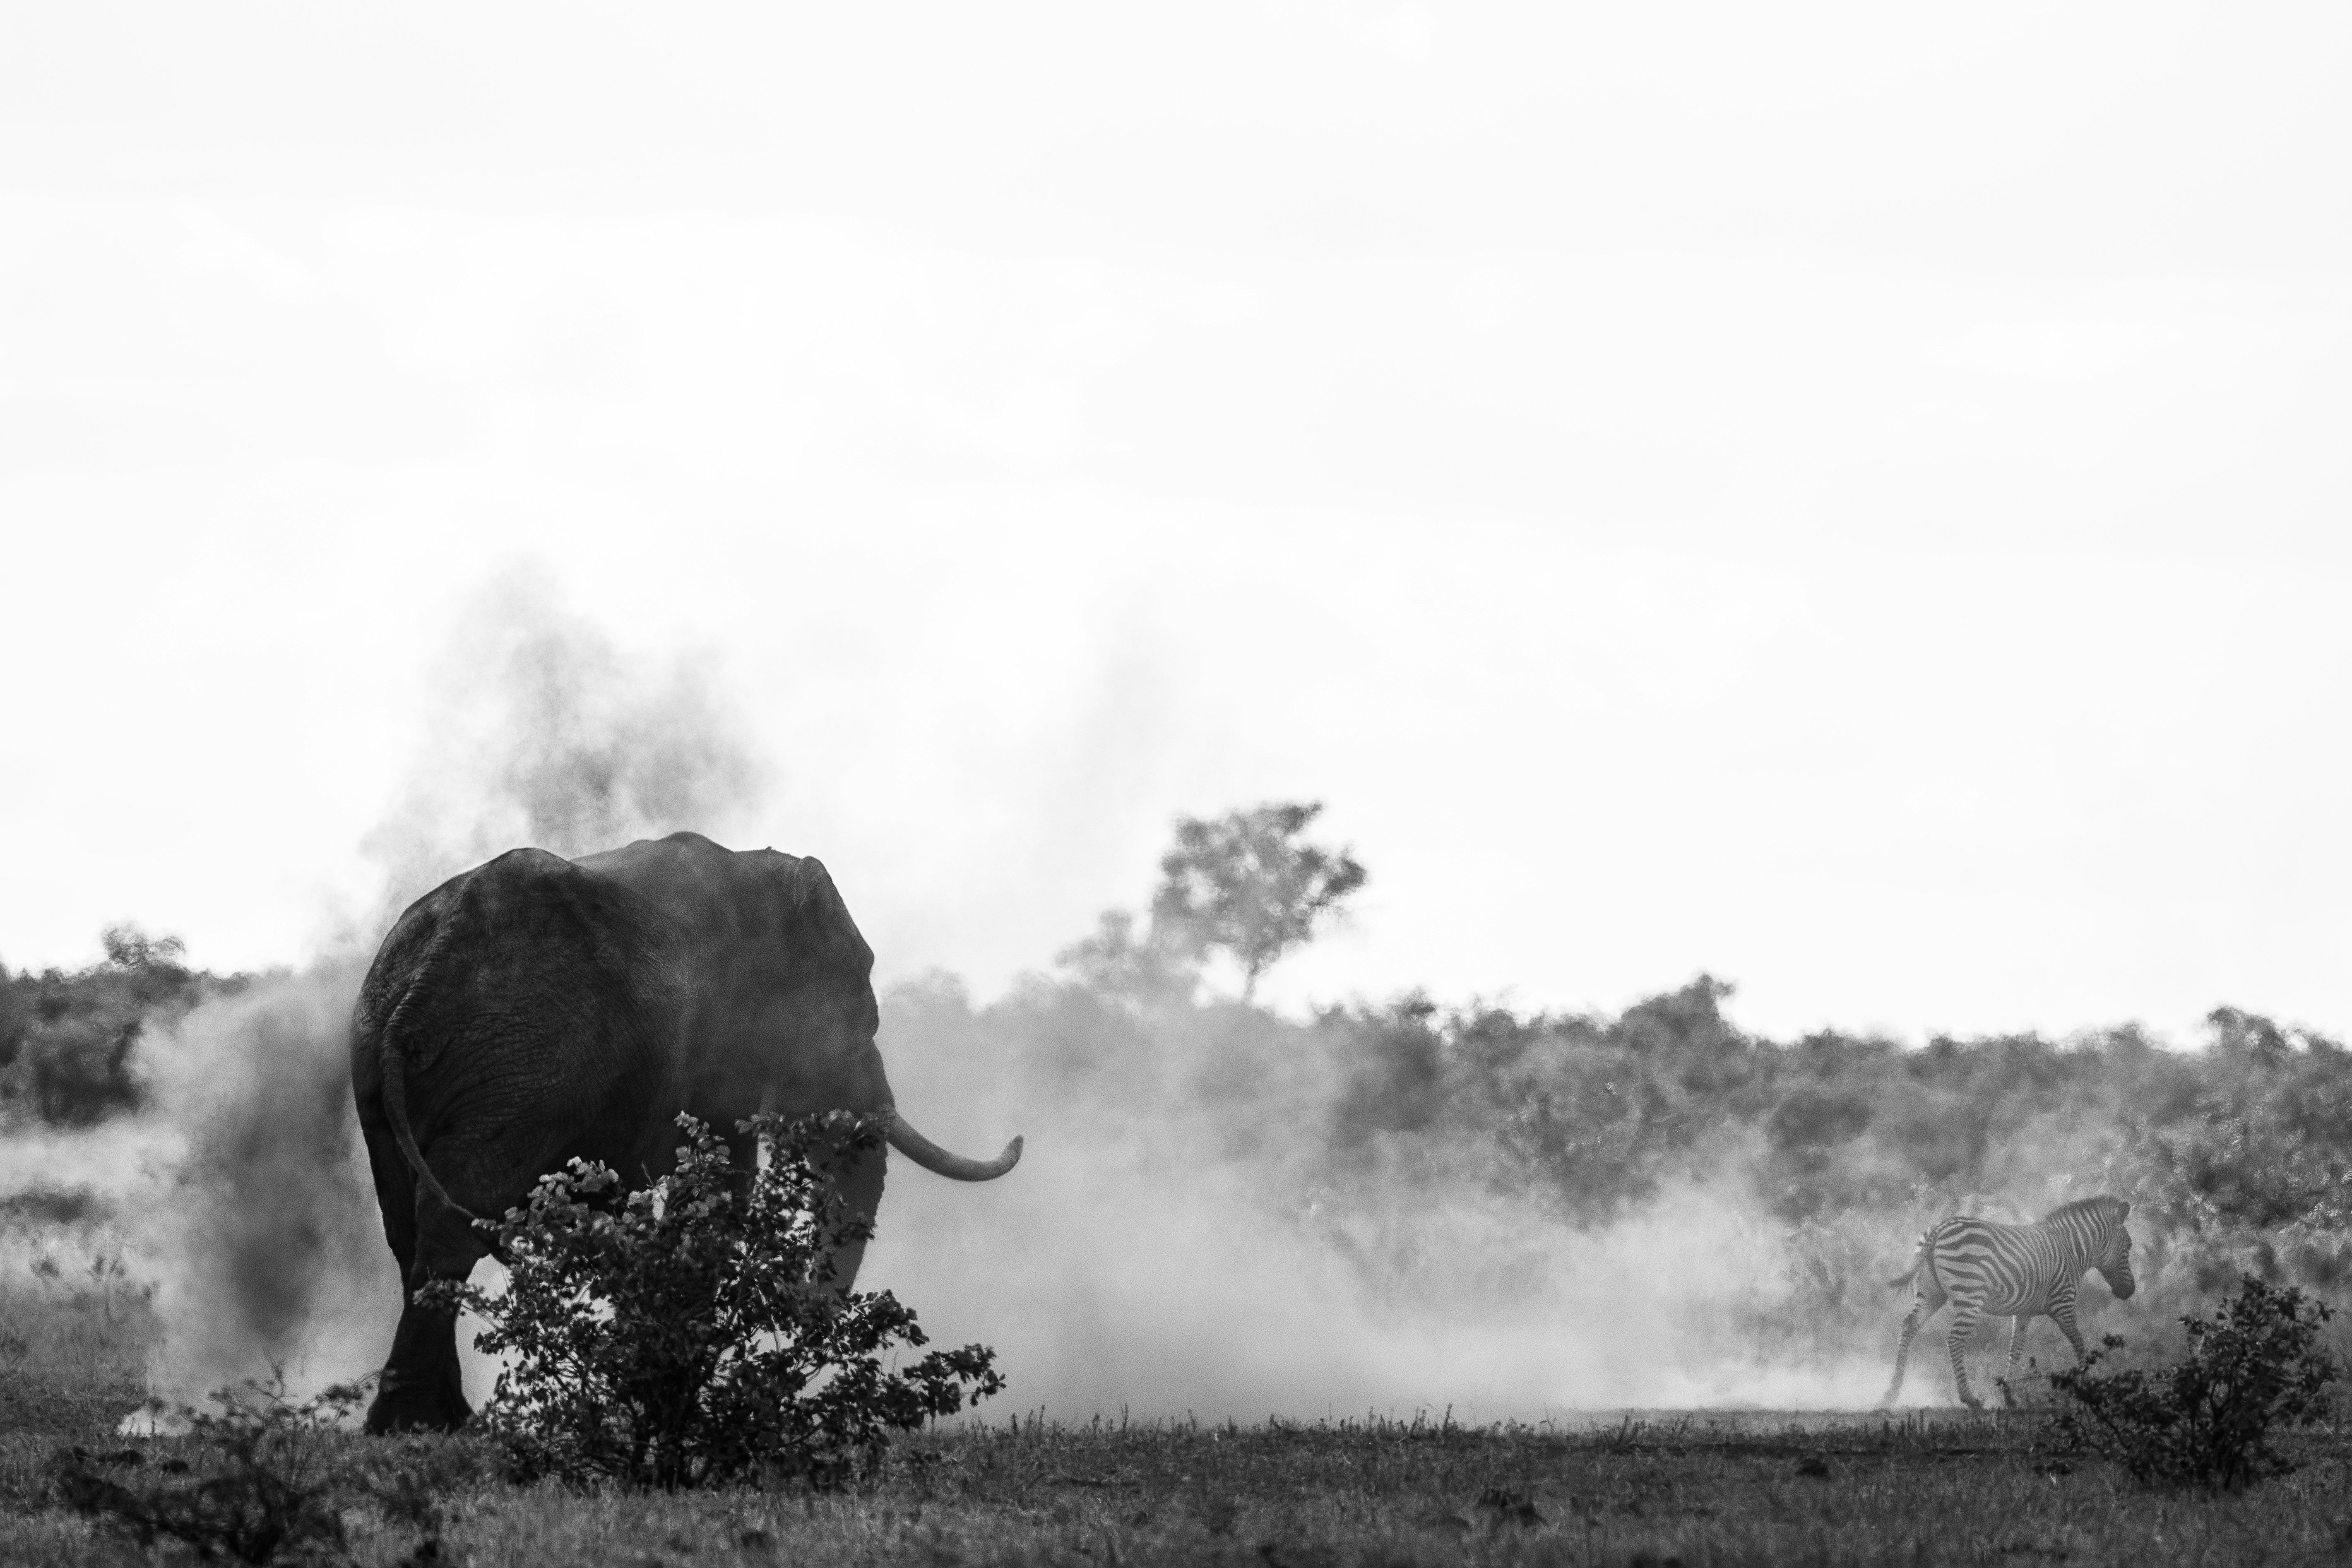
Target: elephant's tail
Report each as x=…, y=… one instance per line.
x=395, y=1060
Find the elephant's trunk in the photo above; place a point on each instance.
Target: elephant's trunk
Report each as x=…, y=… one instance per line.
x=938, y=1161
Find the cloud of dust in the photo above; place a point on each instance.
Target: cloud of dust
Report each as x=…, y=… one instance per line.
x=260, y=1228
x=1174, y=1241
x=262, y=1233
x=1125, y=1284
x=546, y=733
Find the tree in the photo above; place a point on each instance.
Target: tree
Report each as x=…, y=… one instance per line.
x=1146, y=968
x=1245, y=882
x=128, y=947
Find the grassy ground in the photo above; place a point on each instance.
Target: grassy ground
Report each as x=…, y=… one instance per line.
x=1929, y=1487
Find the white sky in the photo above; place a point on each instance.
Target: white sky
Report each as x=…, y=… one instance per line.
x=1846, y=497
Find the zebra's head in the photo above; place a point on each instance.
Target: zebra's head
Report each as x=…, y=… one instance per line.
x=2114, y=1261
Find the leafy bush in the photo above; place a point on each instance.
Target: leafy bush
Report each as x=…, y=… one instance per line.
x=2206, y=1420
x=685, y=1335
x=268, y=1479
x=268, y=1485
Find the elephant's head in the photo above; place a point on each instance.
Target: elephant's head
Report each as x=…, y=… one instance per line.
x=841, y=1018
x=827, y=989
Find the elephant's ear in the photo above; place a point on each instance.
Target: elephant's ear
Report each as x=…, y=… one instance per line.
x=824, y=918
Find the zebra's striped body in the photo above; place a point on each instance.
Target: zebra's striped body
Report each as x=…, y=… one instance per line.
x=2020, y=1271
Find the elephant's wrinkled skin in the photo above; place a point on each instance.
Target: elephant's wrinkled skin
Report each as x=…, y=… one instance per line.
x=536, y=1009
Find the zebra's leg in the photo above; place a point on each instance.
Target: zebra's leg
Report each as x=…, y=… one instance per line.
x=2016, y=1349
x=1922, y=1309
x=1903, y=1351
x=1964, y=1324
x=2061, y=1312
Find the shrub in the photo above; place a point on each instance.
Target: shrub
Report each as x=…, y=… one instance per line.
x=2207, y=1420
x=267, y=1478
x=269, y=1484
x=684, y=1335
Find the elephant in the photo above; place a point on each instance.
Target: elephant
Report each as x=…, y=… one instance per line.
x=535, y=1010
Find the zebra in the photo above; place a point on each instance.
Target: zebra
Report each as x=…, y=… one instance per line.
x=2020, y=1270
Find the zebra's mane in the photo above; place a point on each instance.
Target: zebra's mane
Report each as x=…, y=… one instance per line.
x=2104, y=1205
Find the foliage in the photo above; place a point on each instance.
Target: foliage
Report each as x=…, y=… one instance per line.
x=1150, y=968
x=268, y=1483
x=2207, y=1420
x=268, y=1477
x=128, y=947
x=2237, y=1158
x=2249, y=1155
x=69, y=1039
x=686, y=1335
x=1245, y=882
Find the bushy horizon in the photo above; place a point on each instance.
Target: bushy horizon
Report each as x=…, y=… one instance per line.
x=2252, y=1124
x=1471, y=1186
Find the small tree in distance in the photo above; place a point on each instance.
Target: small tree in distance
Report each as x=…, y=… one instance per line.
x=128, y=947
x=1245, y=882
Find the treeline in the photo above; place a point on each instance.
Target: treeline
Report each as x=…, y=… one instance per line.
x=1588, y=1112
x=2234, y=1154
x=69, y=1039
x=2254, y=1129
x=2237, y=1155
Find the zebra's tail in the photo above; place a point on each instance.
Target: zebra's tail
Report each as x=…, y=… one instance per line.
x=1918, y=1261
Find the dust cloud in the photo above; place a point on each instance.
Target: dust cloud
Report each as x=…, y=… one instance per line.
x=258, y=1224
x=263, y=1233
x=1177, y=1240
x=546, y=733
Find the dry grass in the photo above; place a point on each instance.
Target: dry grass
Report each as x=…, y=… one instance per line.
x=1929, y=1487
x=72, y=1362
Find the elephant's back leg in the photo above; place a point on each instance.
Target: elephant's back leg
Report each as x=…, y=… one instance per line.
x=423, y=1384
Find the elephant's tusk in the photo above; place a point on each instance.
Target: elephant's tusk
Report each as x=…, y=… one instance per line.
x=938, y=1161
